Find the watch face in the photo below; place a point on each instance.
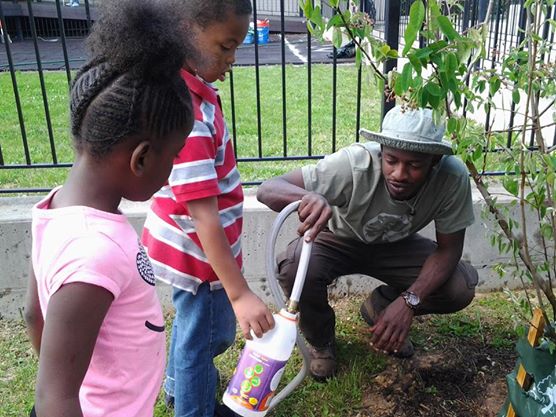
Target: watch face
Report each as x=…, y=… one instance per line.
x=413, y=299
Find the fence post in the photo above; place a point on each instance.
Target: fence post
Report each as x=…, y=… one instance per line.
x=391, y=36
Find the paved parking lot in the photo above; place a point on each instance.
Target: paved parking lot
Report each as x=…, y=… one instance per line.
x=51, y=52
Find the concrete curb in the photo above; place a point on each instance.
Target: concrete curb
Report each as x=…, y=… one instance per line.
x=15, y=248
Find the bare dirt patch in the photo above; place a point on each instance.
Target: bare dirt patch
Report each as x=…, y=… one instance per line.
x=464, y=377
x=459, y=368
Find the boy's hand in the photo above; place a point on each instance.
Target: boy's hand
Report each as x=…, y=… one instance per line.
x=252, y=314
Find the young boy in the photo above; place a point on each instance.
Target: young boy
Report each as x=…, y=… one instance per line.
x=193, y=230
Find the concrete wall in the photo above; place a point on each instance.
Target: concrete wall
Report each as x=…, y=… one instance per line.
x=15, y=248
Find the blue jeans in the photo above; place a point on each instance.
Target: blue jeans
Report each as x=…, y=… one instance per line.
x=203, y=328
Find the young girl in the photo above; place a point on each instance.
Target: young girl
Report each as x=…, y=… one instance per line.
x=101, y=344
x=193, y=231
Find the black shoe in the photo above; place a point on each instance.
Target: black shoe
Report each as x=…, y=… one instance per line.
x=220, y=410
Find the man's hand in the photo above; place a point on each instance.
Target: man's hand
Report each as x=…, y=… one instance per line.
x=314, y=213
x=252, y=314
x=392, y=327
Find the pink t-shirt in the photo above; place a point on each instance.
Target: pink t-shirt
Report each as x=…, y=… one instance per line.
x=82, y=244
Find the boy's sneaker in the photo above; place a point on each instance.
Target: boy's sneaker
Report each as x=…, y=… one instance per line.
x=323, y=361
x=379, y=299
x=220, y=410
x=169, y=400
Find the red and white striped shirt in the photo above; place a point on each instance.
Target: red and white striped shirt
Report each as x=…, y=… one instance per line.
x=205, y=167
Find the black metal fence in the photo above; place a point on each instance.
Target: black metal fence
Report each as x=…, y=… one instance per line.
x=36, y=23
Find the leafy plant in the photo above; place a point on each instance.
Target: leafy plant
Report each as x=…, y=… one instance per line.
x=446, y=75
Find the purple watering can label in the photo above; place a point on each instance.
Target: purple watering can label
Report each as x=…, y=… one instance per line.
x=255, y=380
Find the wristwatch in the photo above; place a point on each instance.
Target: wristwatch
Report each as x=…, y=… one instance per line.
x=411, y=299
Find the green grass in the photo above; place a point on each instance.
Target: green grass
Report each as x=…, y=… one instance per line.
x=18, y=370
x=246, y=119
x=487, y=320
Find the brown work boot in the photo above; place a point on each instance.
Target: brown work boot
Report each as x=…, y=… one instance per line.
x=323, y=361
x=379, y=299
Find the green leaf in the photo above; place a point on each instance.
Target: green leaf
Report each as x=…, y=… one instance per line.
x=406, y=76
x=333, y=3
x=546, y=230
x=451, y=63
x=423, y=53
x=335, y=20
x=398, y=86
x=510, y=185
x=477, y=154
x=453, y=85
x=457, y=99
x=515, y=96
x=385, y=49
x=438, y=45
x=307, y=6
x=550, y=177
x=417, y=82
x=392, y=53
x=494, y=85
x=434, y=9
x=337, y=37
x=444, y=82
x=423, y=98
x=447, y=28
x=436, y=58
x=463, y=50
x=434, y=89
x=358, y=57
x=416, y=17
x=416, y=63
x=316, y=17
x=452, y=125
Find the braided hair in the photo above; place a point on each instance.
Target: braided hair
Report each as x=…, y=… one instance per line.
x=131, y=85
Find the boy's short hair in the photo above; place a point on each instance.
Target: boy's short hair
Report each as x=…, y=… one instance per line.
x=205, y=12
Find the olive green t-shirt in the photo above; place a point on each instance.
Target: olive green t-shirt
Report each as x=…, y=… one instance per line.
x=352, y=182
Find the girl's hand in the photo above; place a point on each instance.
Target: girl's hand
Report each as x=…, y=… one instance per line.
x=252, y=314
x=314, y=213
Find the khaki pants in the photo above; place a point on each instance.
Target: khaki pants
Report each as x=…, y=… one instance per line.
x=397, y=264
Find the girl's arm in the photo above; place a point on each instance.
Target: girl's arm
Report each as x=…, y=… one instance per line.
x=250, y=311
x=33, y=314
x=73, y=319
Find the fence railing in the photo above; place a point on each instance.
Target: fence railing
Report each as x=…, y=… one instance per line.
x=35, y=24
x=273, y=7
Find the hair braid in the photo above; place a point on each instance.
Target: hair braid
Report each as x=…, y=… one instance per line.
x=132, y=83
x=88, y=83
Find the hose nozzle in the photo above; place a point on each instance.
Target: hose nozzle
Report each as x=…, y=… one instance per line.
x=291, y=307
